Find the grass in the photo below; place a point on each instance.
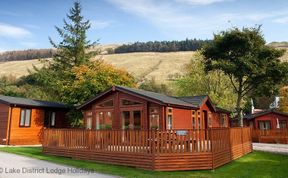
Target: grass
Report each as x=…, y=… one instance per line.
x=161, y=66
x=143, y=65
x=256, y=164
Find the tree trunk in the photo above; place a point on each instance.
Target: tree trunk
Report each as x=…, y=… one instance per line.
x=238, y=109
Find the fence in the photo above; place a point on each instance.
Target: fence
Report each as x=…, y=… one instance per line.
x=270, y=136
x=150, y=149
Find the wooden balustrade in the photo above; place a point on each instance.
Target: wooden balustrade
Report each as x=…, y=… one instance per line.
x=270, y=136
x=151, y=149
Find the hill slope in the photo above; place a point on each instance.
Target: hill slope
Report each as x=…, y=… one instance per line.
x=162, y=66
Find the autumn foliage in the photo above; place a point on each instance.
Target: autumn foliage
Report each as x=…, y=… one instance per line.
x=283, y=103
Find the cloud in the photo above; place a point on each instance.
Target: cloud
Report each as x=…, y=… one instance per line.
x=177, y=21
x=201, y=2
x=282, y=20
x=98, y=24
x=170, y=19
x=7, y=30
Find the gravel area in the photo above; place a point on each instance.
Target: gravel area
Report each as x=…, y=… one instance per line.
x=274, y=148
x=16, y=166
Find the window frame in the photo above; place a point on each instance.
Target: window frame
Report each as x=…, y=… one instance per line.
x=154, y=113
x=169, y=113
x=106, y=101
x=264, y=124
x=25, y=109
x=51, y=114
x=139, y=103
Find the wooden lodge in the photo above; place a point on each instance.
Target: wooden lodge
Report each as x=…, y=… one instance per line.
x=126, y=108
x=22, y=120
x=269, y=126
x=151, y=131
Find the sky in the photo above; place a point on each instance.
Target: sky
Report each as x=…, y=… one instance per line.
x=27, y=24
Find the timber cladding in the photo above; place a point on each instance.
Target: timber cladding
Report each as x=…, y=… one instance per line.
x=152, y=150
x=4, y=114
x=26, y=135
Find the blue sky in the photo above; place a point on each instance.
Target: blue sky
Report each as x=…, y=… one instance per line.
x=28, y=24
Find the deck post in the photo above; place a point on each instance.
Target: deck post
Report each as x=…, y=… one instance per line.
x=211, y=143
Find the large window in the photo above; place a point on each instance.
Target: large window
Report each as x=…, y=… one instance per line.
x=25, y=118
x=108, y=103
x=136, y=120
x=154, y=117
x=222, y=120
x=104, y=120
x=283, y=124
x=210, y=119
x=199, y=120
x=125, y=102
x=193, y=119
x=50, y=119
x=264, y=125
x=126, y=120
x=88, y=116
x=169, y=118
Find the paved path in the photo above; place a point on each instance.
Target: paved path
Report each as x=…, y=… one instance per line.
x=274, y=148
x=25, y=167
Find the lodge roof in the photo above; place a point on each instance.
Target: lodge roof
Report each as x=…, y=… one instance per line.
x=157, y=96
x=160, y=98
x=190, y=102
x=196, y=101
x=8, y=100
x=252, y=116
x=218, y=109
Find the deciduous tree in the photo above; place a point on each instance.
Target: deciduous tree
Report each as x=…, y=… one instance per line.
x=283, y=103
x=214, y=83
x=250, y=64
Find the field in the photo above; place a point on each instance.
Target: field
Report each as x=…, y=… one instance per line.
x=143, y=65
x=161, y=66
x=256, y=164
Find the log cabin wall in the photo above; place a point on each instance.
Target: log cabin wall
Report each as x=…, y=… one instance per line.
x=26, y=135
x=182, y=118
x=32, y=135
x=271, y=118
x=4, y=117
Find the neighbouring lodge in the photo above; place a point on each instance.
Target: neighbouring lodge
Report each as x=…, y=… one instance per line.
x=267, y=120
x=126, y=108
x=269, y=126
x=22, y=120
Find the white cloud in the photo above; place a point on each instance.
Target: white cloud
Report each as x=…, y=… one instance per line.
x=98, y=24
x=170, y=19
x=201, y=2
x=282, y=20
x=7, y=30
x=174, y=21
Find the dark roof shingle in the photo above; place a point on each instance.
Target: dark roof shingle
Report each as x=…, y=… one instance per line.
x=196, y=101
x=29, y=102
x=252, y=116
x=157, y=96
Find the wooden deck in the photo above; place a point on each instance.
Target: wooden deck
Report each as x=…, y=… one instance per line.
x=270, y=136
x=149, y=149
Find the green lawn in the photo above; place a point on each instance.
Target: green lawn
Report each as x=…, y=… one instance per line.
x=256, y=164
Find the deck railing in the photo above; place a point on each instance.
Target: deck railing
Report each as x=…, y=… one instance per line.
x=151, y=149
x=134, y=141
x=270, y=136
